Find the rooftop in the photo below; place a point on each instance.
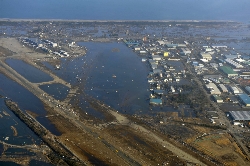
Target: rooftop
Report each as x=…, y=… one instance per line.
x=155, y=101
x=245, y=98
x=240, y=115
x=227, y=70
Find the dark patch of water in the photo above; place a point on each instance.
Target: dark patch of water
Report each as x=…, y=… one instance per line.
x=25, y=100
x=29, y=72
x=8, y=163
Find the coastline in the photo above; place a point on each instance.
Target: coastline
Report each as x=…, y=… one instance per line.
x=116, y=21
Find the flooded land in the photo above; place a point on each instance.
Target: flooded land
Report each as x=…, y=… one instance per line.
x=124, y=92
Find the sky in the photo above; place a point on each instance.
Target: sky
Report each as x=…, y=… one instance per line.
x=127, y=9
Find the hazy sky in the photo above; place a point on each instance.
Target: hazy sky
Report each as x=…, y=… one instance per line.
x=127, y=9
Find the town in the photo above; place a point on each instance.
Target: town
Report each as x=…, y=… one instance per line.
x=198, y=88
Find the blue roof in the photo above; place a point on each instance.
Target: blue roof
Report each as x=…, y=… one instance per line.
x=245, y=98
x=155, y=101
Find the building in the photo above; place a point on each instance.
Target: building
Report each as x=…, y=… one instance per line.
x=223, y=88
x=245, y=99
x=154, y=66
x=247, y=89
x=217, y=99
x=233, y=63
x=166, y=54
x=231, y=56
x=228, y=71
x=206, y=56
x=208, y=49
x=157, y=71
x=156, y=101
x=137, y=48
x=156, y=57
x=159, y=92
x=219, y=46
x=239, y=115
x=213, y=89
x=234, y=89
x=185, y=51
x=213, y=114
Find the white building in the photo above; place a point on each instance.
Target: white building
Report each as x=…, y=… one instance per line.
x=233, y=63
x=219, y=46
x=206, y=56
x=213, y=89
x=234, y=89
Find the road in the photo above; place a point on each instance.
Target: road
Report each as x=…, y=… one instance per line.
x=222, y=117
x=121, y=119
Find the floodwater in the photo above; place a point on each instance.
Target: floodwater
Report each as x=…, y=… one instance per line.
x=31, y=73
x=110, y=72
x=58, y=91
x=26, y=101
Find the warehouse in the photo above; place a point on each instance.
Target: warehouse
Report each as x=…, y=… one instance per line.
x=228, y=71
x=239, y=115
x=206, y=56
x=223, y=88
x=233, y=63
x=247, y=89
x=245, y=99
x=213, y=89
x=234, y=89
x=185, y=51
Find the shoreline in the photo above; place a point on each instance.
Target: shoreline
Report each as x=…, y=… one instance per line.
x=117, y=21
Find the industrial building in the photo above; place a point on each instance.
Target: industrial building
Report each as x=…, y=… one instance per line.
x=217, y=99
x=234, y=89
x=206, y=56
x=223, y=88
x=239, y=115
x=247, y=89
x=233, y=63
x=228, y=71
x=185, y=51
x=213, y=89
x=245, y=99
